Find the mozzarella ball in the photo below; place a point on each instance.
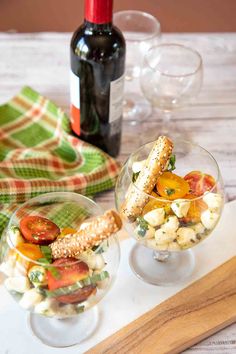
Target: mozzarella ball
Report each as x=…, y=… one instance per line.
x=186, y=236
x=30, y=299
x=150, y=232
x=171, y=224
x=209, y=219
x=155, y=217
x=213, y=200
x=180, y=207
x=20, y=284
x=198, y=228
x=162, y=236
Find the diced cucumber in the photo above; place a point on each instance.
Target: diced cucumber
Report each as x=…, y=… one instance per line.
x=78, y=285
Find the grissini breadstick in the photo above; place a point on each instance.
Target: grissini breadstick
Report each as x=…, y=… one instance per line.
x=155, y=165
x=94, y=232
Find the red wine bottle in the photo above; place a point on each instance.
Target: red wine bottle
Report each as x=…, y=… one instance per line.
x=97, y=78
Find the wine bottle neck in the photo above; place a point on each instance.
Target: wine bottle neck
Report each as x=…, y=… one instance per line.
x=98, y=11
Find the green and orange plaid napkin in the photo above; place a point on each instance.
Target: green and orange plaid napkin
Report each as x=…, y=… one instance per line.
x=38, y=154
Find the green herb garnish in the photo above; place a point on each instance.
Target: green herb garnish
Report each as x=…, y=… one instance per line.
x=170, y=191
x=143, y=226
x=55, y=272
x=47, y=260
x=47, y=253
x=135, y=176
x=171, y=166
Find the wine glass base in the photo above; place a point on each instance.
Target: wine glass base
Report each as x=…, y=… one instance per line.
x=61, y=333
x=175, y=269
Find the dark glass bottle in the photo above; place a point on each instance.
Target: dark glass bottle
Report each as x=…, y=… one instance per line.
x=97, y=78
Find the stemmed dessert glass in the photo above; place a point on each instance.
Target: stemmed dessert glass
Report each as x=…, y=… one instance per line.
x=170, y=261
x=171, y=78
x=54, y=318
x=141, y=31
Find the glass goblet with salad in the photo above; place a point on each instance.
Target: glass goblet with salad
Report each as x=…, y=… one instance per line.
x=170, y=197
x=60, y=255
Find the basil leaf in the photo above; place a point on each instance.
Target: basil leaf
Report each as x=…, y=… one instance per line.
x=143, y=226
x=171, y=166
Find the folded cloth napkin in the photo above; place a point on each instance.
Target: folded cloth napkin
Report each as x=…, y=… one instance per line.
x=38, y=154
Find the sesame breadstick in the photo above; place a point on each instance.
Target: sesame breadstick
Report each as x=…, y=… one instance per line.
x=155, y=165
x=94, y=232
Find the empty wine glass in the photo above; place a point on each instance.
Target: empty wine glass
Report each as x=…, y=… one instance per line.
x=171, y=78
x=141, y=31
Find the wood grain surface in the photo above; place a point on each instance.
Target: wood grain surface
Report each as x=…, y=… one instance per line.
x=41, y=60
x=186, y=318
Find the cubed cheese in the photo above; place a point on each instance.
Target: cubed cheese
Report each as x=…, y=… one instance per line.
x=149, y=233
x=209, y=218
x=180, y=207
x=186, y=236
x=20, y=284
x=213, y=200
x=162, y=236
x=198, y=228
x=171, y=224
x=30, y=299
x=155, y=217
x=137, y=166
x=173, y=246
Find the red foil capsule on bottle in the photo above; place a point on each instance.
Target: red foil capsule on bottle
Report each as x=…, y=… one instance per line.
x=98, y=11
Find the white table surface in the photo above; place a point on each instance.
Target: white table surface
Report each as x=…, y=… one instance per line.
x=42, y=62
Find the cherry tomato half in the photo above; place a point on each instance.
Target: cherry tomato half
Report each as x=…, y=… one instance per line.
x=157, y=203
x=199, y=182
x=171, y=186
x=30, y=251
x=38, y=230
x=68, y=272
x=195, y=209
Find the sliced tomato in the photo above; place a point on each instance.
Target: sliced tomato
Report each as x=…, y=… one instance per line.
x=171, y=186
x=199, y=182
x=78, y=296
x=68, y=272
x=67, y=231
x=195, y=209
x=30, y=251
x=38, y=230
x=160, y=202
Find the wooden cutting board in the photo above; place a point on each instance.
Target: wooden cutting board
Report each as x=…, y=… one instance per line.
x=196, y=312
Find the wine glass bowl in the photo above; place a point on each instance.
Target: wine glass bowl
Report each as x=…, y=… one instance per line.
x=171, y=78
x=141, y=31
x=63, y=289
x=169, y=226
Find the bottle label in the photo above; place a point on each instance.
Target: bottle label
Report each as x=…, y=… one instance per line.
x=75, y=102
x=116, y=99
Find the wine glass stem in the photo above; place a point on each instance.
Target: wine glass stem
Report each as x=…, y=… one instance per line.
x=161, y=256
x=166, y=122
